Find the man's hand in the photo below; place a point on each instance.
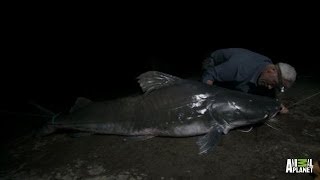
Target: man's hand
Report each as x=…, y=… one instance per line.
x=284, y=110
x=210, y=82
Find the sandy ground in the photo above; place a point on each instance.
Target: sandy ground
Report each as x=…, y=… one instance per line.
x=259, y=154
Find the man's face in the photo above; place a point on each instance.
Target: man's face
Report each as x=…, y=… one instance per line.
x=270, y=77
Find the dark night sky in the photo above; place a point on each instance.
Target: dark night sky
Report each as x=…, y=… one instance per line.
x=51, y=56
x=58, y=67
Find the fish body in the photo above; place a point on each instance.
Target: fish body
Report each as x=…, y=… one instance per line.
x=170, y=106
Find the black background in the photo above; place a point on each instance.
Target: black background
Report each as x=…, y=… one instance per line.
x=54, y=60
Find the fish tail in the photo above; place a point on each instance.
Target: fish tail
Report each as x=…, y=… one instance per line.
x=43, y=109
x=48, y=127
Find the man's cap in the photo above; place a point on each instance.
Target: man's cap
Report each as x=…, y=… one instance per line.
x=288, y=72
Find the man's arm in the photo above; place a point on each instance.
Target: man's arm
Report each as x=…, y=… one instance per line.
x=207, y=77
x=210, y=82
x=224, y=66
x=224, y=72
x=215, y=58
x=284, y=110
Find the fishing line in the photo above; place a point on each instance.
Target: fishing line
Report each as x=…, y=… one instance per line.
x=303, y=100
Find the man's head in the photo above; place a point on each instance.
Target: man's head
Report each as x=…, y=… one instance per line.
x=280, y=75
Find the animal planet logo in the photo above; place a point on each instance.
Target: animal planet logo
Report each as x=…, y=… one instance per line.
x=299, y=166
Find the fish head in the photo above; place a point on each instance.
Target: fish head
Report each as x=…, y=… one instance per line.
x=244, y=110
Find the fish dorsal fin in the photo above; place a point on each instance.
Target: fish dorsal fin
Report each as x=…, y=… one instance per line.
x=80, y=103
x=153, y=80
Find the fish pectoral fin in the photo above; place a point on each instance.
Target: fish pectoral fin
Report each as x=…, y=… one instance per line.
x=208, y=141
x=138, y=138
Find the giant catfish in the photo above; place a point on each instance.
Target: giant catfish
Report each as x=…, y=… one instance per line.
x=169, y=106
